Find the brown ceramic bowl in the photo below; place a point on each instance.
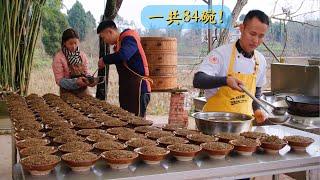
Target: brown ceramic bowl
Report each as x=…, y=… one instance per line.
x=119, y=159
x=185, y=132
x=226, y=137
x=169, y=140
x=217, y=150
x=37, y=150
x=140, y=142
x=201, y=138
x=245, y=146
x=154, y=135
x=119, y=130
x=80, y=161
x=152, y=154
x=76, y=146
x=129, y=135
x=272, y=144
x=145, y=129
x=30, y=142
x=40, y=164
x=109, y=145
x=298, y=143
x=184, y=152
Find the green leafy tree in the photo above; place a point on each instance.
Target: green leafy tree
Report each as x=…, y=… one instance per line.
x=91, y=21
x=80, y=20
x=53, y=24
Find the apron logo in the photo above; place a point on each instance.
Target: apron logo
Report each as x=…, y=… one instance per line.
x=238, y=100
x=213, y=60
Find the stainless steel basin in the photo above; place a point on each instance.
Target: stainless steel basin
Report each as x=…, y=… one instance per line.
x=215, y=122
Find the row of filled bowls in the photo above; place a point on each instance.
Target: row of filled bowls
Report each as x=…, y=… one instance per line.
x=120, y=158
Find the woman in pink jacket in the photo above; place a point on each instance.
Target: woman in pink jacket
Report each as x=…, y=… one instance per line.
x=70, y=66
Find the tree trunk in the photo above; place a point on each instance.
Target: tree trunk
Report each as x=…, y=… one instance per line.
x=110, y=12
x=224, y=35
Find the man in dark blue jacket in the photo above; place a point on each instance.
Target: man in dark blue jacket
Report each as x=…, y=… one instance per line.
x=132, y=66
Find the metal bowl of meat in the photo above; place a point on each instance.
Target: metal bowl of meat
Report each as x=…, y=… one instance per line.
x=215, y=122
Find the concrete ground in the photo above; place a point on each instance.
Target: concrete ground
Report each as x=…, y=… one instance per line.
x=5, y=157
x=6, y=143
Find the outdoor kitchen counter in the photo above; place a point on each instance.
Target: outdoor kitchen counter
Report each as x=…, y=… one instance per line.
x=233, y=167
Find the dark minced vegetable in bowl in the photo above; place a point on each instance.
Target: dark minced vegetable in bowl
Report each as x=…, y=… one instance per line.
x=38, y=150
x=184, y=148
x=158, y=134
x=67, y=138
x=254, y=135
x=114, y=123
x=145, y=129
x=100, y=137
x=29, y=134
x=75, y=146
x=109, y=145
x=201, y=138
x=87, y=132
x=172, y=140
x=140, y=142
x=245, y=142
x=60, y=131
x=80, y=156
x=184, y=132
x=152, y=150
x=32, y=142
x=229, y=136
x=172, y=127
x=129, y=135
x=273, y=140
x=119, y=154
x=299, y=139
x=119, y=130
x=219, y=146
x=40, y=160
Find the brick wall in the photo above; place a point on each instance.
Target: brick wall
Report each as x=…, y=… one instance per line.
x=177, y=113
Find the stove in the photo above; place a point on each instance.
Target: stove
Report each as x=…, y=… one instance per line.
x=309, y=124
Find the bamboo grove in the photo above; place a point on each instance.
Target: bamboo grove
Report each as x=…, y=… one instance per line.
x=19, y=24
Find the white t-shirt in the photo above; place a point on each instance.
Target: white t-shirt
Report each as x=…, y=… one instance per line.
x=216, y=63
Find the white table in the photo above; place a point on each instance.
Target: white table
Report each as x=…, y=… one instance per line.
x=233, y=167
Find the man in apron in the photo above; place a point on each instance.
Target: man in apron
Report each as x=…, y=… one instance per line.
x=132, y=66
x=231, y=65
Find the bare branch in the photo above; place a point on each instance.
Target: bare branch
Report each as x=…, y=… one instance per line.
x=290, y=20
x=207, y=2
x=298, y=8
x=273, y=54
x=285, y=40
x=274, y=8
x=305, y=13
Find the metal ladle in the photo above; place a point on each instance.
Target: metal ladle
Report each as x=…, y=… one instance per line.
x=274, y=119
